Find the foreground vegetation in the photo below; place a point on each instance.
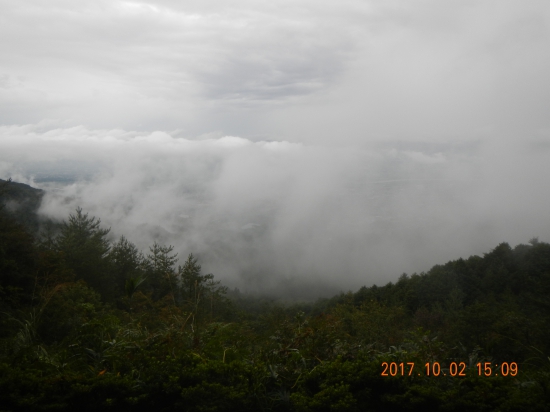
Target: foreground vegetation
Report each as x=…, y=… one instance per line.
x=86, y=324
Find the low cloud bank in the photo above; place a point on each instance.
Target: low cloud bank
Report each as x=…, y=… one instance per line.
x=286, y=218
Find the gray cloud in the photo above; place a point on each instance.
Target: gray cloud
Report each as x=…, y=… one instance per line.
x=301, y=71
x=138, y=59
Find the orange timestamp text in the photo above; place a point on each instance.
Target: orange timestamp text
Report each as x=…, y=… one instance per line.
x=454, y=369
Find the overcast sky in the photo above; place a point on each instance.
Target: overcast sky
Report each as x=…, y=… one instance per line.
x=295, y=138
x=313, y=71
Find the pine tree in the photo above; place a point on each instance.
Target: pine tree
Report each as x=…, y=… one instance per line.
x=161, y=276
x=85, y=250
x=199, y=292
x=128, y=264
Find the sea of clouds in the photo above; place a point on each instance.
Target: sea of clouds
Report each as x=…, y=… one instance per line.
x=286, y=218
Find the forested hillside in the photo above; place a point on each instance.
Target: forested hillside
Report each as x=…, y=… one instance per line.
x=21, y=201
x=88, y=324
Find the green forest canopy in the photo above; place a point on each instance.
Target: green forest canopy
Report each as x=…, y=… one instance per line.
x=95, y=325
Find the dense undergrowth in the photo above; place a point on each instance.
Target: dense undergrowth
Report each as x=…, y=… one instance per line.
x=91, y=325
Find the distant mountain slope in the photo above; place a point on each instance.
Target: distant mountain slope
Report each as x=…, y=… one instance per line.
x=22, y=202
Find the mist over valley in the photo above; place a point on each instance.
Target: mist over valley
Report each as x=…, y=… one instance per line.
x=287, y=219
